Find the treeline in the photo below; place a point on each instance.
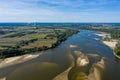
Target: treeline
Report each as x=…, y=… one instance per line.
x=115, y=34
x=117, y=50
x=17, y=50
x=10, y=52
x=63, y=36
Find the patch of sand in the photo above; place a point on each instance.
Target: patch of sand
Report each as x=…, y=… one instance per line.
x=16, y=60
x=111, y=44
x=81, y=60
x=96, y=70
x=93, y=55
x=102, y=34
x=72, y=46
x=63, y=75
x=2, y=78
x=96, y=39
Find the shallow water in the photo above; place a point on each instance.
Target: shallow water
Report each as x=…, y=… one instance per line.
x=57, y=60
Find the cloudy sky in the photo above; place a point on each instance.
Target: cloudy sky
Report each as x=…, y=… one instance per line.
x=60, y=10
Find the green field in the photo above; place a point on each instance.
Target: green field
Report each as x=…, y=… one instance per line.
x=25, y=39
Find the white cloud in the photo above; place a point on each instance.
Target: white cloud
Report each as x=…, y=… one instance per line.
x=56, y=10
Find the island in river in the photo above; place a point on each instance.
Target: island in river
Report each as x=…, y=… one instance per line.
x=83, y=56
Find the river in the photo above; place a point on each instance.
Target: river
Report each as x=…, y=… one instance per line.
x=57, y=60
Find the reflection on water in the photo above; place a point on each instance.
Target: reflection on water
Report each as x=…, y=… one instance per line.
x=57, y=60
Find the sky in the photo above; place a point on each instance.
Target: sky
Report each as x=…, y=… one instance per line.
x=60, y=11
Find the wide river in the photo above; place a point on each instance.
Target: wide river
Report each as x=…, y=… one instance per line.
x=54, y=61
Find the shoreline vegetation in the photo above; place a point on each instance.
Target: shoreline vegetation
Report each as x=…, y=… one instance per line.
x=43, y=39
x=110, y=33
x=109, y=42
x=112, y=43
x=24, y=39
x=33, y=52
x=61, y=35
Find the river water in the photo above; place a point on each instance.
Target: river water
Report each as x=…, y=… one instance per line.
x=57, y=60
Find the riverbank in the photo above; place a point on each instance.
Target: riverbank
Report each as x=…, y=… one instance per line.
x=34, y=42
x=19, y=59
x=7, y=62
x=110, y=43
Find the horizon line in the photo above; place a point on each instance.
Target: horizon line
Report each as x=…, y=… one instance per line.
x=59, y=22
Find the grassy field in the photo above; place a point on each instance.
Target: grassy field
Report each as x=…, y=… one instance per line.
x=40, y=43
x=26, y=39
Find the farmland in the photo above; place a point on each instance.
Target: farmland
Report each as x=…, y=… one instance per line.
x=26, y=39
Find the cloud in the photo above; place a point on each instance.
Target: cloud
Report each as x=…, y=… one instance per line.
x=59, y=10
